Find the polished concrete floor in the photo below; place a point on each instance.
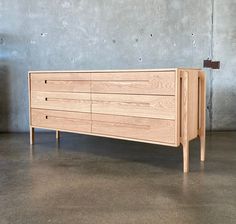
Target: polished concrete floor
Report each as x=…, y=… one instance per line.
x=97, y=180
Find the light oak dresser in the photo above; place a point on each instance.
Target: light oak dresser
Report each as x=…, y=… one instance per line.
x=161, y=106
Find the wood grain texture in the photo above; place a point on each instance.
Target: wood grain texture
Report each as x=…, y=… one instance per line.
x=80, y=102
x=31, y=129
x=29, y=96
x=115, y=70
x=108, y=136
x=202, y=115
x=63, y=82
x=193, y=104
x=134, y=127
x=185, y=119
x=162, y=83
x=134, y=105
x=72, y=121
x=178, y=107
x=161, y=106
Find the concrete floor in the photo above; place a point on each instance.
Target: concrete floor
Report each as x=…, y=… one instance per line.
x=97, y=180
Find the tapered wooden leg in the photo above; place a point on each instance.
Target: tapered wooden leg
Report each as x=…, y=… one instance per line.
x=203, y=147
x=202, y=113
x=185, y=120
x=57, y=135
x=31, y=155
x=31, y=135
x=186, y=157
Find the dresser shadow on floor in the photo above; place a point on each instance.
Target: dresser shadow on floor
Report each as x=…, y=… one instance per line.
x=76, y=148
x=4, y=97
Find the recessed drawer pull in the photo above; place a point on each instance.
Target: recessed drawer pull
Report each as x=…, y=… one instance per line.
x=64, y=118
x=123, y=125
x=60, y=81
x=66, y=100
x=120, y=80
x=122, y=103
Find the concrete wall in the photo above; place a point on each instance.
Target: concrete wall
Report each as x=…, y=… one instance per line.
x=224, y=80
x=115, y=34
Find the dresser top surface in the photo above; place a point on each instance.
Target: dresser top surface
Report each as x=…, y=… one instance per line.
x=115, y=70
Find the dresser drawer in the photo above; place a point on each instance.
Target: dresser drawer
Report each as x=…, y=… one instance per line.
x=61, y=101
x=134, y=127
x=66, y=82
x=62, y=120
x=162, y=83
x=134, y=105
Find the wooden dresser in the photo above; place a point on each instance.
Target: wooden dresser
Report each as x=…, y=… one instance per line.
x=164, y=106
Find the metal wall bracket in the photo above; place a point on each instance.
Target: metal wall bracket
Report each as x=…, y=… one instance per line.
x=211, y=64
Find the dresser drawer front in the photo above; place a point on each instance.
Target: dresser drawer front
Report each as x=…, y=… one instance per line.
x=157, y=130
x=162, y=83
x=61, y=101
x=134, y=105
x=61, y=120
x=63, y=82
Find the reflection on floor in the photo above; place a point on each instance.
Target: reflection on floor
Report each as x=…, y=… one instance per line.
x=90, y=180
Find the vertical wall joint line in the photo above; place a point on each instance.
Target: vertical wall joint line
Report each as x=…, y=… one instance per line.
x=210, y=104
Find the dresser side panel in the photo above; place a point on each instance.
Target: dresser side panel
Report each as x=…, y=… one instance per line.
x=193, y=104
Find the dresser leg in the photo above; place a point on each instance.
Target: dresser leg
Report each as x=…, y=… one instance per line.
x=202, y=113
x=203, y=147
x=31, y=135
x=57, y=135
x=186, y=157
x=185, y=119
